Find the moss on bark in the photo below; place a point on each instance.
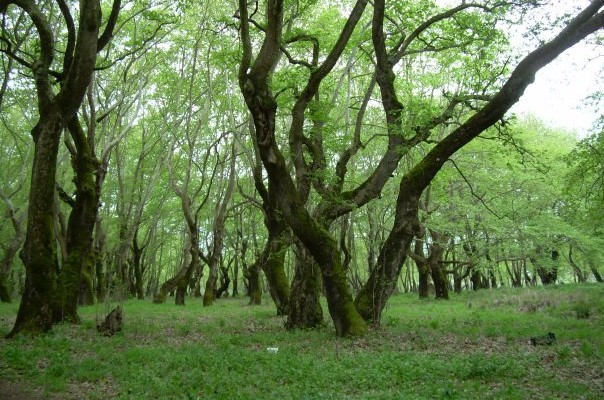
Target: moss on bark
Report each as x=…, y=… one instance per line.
x=304, y=306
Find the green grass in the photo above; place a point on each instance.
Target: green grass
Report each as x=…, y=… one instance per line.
x=474, y=346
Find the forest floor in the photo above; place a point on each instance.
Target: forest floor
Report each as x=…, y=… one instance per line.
x=474, y=346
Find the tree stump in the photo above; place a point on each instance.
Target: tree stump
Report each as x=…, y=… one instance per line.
x=112, y=323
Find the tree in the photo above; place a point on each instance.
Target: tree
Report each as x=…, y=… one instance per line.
x=372, y=298
x=55, y=110
x=254, y=76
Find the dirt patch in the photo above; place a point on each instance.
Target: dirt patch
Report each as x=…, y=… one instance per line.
x=19, y=391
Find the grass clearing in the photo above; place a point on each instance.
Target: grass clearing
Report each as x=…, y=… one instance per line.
x=474, y=346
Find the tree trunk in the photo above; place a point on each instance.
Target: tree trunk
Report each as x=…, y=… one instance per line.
x=581, y=277
x=210, y=293
x=457, y=279
x=99, y=251
x=252, y=273
x=372, y=298
x=476, y=279
x=137, y=255
x=183, y=283
x=272, y=259
x=547, y=273
x=195, y=284
x=437, y=250
x=274, y=270
x=304, y=306
x=225, y=281
x=80, y=228
x=218, y=230
x=422, y=270
x=595, y=272
x=236, y=278
x=39, y=253
x=423, y=285
x=10, y=252
x=180, y=281
x=177, y=282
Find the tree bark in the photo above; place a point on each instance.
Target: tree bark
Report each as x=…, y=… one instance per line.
x=272, y=258
x=437, y=250
x=547, y=273
x=422, y=270
x=274, y=270
x=225, y=281
x=304, y=306
x=39, y=253
x=77, y=269
x=252, y=274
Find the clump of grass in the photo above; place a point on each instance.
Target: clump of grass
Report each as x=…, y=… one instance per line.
x=582, y=310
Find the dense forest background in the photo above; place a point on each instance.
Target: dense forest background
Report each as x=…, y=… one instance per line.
x=304, y=148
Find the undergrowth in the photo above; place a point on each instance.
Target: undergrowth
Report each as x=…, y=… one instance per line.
x=474, y=346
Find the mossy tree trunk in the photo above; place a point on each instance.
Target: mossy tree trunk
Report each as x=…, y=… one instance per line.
x=180, y=278
x=305, y=309
x=183, y=278
x=75, y=273
x=55, y=110
x=272, y=258
x=274, y=270
x=180, y=281
x=225, y=281
x=546, y=266
x=39, y=253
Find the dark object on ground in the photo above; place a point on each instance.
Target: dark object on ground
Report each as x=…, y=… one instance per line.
x=544, y=340
x=112, y=324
